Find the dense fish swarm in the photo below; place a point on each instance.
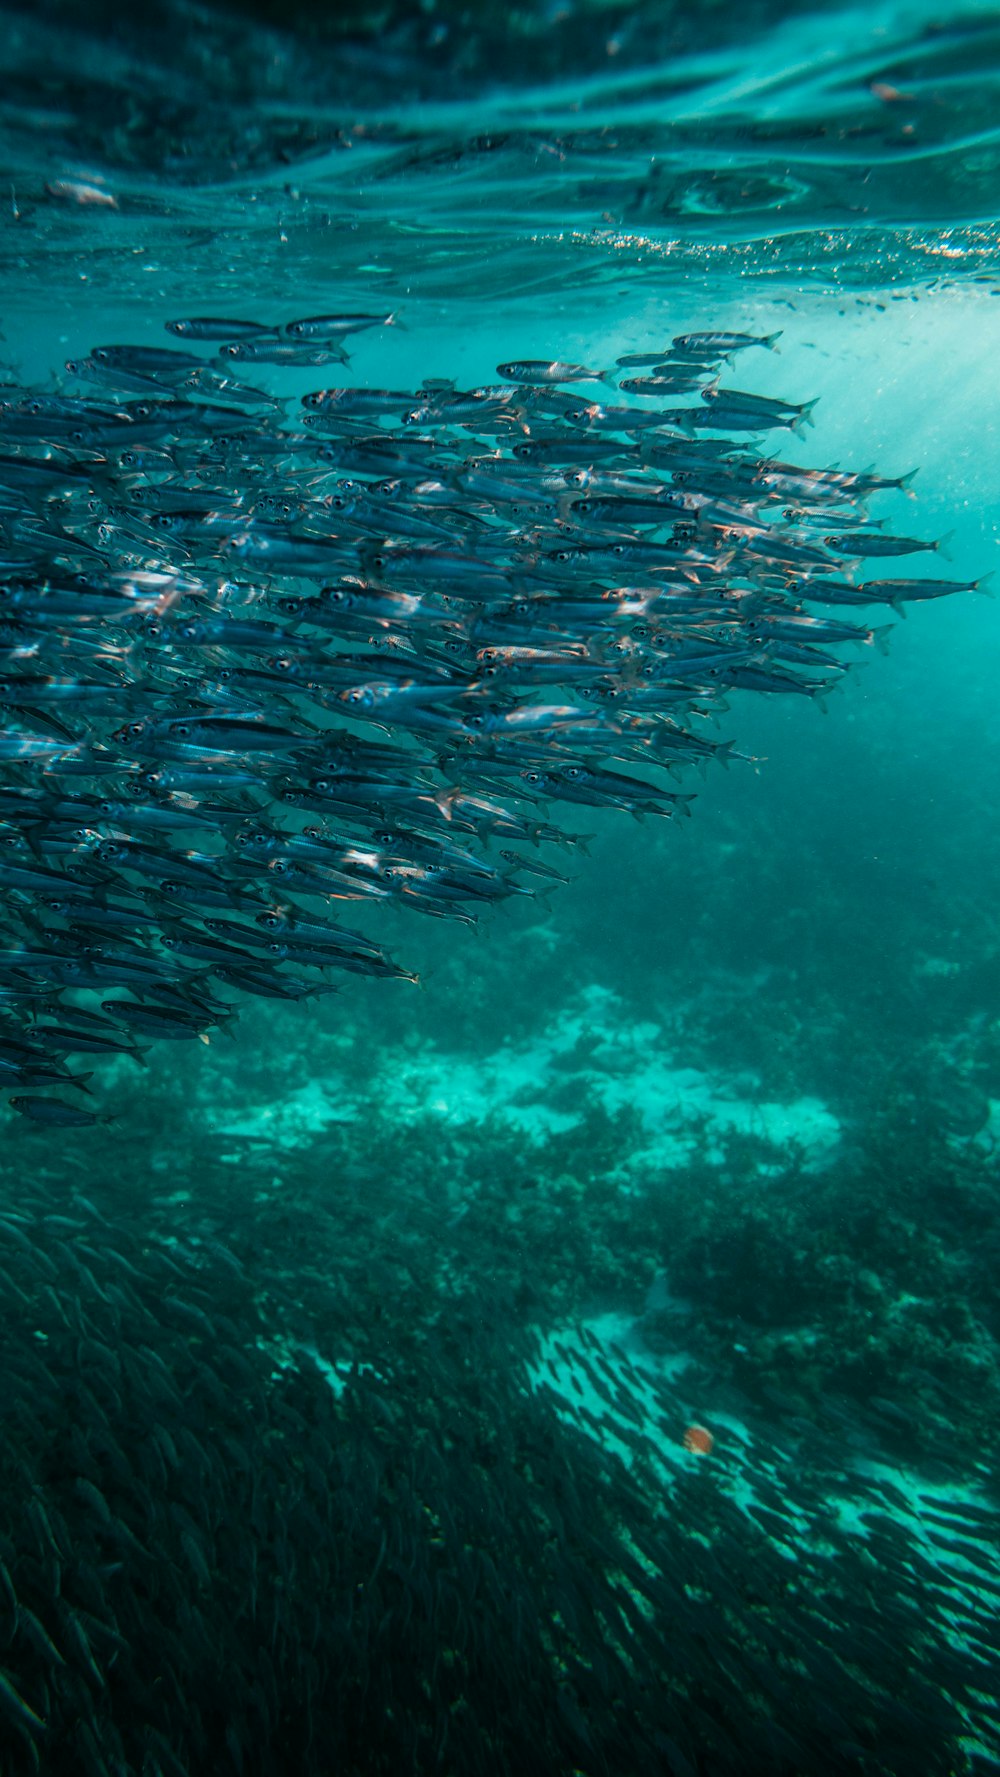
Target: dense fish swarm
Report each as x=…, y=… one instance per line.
x=256, y=672
x=250, y=1525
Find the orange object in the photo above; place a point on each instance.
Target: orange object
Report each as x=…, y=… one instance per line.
x=699, y=1439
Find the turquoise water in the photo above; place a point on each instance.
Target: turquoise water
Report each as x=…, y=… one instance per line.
x=576, y=1347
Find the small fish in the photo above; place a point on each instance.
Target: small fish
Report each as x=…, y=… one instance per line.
x=537, y=371
x=77, y=191
x=873, y=543
x=208, y=327
x=55, y=1112
x=724, y=342
x=148, y=360
x=336, y=326
x=891, y=590
x=290, y=354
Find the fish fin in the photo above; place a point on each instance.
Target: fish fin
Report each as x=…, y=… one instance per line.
x=905, y=481
x=52, y=724
x=30, y=833
x=984, y=584
x=769, y=339
x=942, y=545
x=394, y=320
x=881, y=636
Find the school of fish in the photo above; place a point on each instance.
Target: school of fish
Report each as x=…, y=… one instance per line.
x=267, y=664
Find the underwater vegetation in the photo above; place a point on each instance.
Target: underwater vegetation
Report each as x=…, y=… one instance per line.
x=313, y=1469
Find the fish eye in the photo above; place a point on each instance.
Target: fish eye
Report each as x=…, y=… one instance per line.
x=182, y=730
x=229, y=351
x=100, y=355
x=564, y=555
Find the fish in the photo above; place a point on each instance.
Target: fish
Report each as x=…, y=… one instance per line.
x=860, y=543
x=537, y=371
x=322, y=327
x=54, y=1112
x=721, y=342
x=207, y=327
x=257, y=663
